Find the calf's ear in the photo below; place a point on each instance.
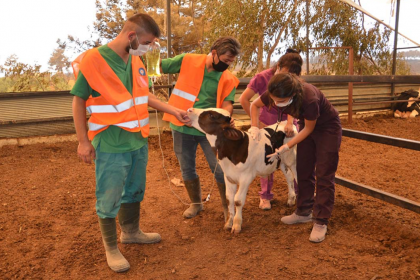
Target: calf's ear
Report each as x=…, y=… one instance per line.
x=232, y=133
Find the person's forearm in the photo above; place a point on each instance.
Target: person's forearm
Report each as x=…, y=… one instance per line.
x=255, y=118
x=289, y=119
x=79, y=116
x=300, y=137
x=228, y=107
x=160, y=66
x=154, y=102
x=246, y=104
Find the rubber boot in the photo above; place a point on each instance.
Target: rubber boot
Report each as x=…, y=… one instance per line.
x=114, y=258
x=129, y=218
x=222, y=191
x=194, y=192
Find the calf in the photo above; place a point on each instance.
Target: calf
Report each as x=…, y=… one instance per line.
x=409, y=108
x=243, y=158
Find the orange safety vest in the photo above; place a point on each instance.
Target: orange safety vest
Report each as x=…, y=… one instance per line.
x=116, y=106
x=189, y=83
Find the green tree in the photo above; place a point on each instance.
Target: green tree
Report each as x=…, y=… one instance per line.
x=59, y=61
x=265, y=29
x=24, y=77
x=187, y=24
x=19, y=76
x=336, y=24
x=261, y=26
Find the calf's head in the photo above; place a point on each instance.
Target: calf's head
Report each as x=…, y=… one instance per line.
x=213, y=121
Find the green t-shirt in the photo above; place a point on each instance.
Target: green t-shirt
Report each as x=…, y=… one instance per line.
x=113, y=139
x=207, y=97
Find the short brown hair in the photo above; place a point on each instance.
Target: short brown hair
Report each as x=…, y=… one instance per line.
x=145, y=22
x=226, y=44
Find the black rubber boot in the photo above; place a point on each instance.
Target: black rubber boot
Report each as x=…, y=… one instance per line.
x=129, y=218
x=114, y=258
x=194, y=192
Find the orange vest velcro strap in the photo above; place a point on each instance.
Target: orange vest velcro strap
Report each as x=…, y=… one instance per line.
x=115, y=105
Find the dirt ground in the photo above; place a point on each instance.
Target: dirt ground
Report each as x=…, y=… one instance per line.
x=49, y=229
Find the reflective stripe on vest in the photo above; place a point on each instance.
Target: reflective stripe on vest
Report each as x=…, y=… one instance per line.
x=116, y=105
x=184, y=94
x=130, y=124
x=117, y=108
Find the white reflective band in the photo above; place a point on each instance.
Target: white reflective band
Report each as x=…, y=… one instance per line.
x=184, y=94
x=130, y=124
x=117, y=108
x=142, y=100
x=95, y=127
x=144, y=122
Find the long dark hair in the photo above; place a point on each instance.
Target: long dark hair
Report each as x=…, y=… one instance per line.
x=285, y=85
x=291, y=60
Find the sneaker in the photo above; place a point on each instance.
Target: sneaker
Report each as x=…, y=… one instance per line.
x=265, y=204
x=296, y=219
x=318, y=233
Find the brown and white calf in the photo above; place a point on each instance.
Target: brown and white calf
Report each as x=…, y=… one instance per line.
x=243, y=158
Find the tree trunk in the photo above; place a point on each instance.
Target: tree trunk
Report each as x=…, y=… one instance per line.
x=276, y=42
x=260, y=54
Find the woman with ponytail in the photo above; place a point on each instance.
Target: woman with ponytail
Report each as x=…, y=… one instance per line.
x=318, y=143
x=270, y=115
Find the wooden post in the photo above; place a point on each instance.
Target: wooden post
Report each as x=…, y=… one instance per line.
x=350, y=105
x=169, y=45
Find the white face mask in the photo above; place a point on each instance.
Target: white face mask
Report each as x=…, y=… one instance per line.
x=285, y=104
x=141, y=49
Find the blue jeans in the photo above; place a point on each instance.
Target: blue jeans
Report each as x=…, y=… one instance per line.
x=120, y=178
x=185, y=147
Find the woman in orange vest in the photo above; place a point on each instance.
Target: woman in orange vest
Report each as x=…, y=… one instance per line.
x=112, y=85
x=204, y=82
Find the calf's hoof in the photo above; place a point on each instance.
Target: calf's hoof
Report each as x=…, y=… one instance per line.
x=236, y=229
x=228, y=225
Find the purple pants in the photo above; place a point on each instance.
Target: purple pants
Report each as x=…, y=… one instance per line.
x=317, y=155
x=266, y=186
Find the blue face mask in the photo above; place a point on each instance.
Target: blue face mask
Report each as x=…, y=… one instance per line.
x=285, y=104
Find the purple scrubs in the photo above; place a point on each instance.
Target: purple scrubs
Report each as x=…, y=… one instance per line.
x=317, y=155
x=268, y=116
x=259, y=85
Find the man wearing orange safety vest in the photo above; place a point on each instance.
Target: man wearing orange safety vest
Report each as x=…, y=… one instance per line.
x=204, y=82
x=112, y=85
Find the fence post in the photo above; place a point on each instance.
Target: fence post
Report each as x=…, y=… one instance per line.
x=350, y=105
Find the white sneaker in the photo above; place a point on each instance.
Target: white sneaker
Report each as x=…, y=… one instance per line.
x=296, y=219
x=318, y=233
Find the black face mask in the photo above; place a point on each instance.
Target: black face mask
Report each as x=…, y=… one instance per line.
x=220, y=66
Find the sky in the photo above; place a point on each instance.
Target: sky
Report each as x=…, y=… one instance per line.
x=30, y=28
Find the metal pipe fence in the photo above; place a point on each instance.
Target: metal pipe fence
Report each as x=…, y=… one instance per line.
x=373, y=192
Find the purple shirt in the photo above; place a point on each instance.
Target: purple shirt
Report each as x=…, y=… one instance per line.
x=315, y=106
x=259, y=84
